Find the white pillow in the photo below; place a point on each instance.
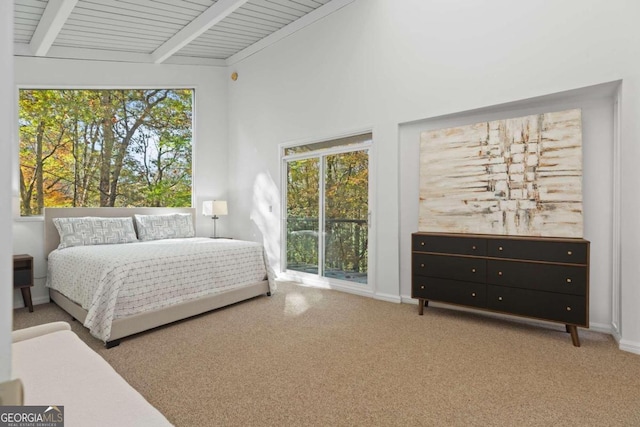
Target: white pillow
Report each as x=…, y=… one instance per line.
x=170, y=226
x=85, y=231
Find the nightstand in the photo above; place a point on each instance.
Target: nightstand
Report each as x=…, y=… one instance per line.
x=23, y=277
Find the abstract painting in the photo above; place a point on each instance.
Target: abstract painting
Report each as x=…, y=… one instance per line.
x=519, y=176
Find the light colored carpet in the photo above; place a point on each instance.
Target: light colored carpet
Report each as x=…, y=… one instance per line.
x=311, y=357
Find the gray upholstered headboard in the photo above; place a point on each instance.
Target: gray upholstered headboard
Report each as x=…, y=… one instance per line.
x=52, y=238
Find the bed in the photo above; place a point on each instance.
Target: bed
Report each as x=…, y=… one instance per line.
x=120, y=289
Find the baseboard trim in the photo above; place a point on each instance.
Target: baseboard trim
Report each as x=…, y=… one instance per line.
x=42, y=300
x=405, y=299
x=35, y=301
x=388, y=297
x=630, y=346
x=624, y=345
x=595, y=327
x=601, y=327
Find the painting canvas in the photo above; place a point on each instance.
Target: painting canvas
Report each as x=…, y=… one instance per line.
x=519, y=176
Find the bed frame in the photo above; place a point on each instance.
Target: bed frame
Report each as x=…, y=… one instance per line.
x=134, y=324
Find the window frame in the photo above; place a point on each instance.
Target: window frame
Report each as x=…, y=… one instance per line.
x=15, y=154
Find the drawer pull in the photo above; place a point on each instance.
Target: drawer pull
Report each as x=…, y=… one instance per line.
x=499, y=298
x=499, y=273
x=500, y=248
x=422, y=287
x=569, y=253
x=568, y=308
x=422, y=265
x=473, y=270
x=421, y=243
x=473, y=294
x=473, y=247
x=568, y=280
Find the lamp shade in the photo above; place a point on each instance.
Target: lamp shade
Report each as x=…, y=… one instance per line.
x=214, y=207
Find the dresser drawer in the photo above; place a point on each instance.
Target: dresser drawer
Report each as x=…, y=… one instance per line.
x=570, y=309
x=539, y=250
x=451, y=291
x=450, y=267
x=449, y=244
x=566, y=279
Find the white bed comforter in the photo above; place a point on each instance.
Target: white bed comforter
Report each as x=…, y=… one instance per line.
x=114, y=281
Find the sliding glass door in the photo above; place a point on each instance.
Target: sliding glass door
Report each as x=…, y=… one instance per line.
x=303, y=229
x=346, y=210
x=327, y=210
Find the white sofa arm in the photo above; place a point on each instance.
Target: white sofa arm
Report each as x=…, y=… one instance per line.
x=36, y=331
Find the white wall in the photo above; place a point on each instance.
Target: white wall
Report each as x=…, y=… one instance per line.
x=7, y=106
x=210, y=150
x=381, y=63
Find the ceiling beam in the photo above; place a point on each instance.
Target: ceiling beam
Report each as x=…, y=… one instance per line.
x=84, y=54
x=216, y=13
x=53, y=18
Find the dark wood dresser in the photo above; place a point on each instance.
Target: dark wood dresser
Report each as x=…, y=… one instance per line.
x=536, y=277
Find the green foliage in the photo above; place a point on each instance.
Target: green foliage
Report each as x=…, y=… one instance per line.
x=105, y=148
x=346, y=209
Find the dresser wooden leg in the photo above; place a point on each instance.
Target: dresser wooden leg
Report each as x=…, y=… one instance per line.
x=573, y=330
x=421, y=304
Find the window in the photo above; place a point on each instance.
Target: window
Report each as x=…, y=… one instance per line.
x=327, y=208
x=91, y=148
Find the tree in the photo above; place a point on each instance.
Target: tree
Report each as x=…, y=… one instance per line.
x=43, y=141
x=91, y=147
x=345, y=212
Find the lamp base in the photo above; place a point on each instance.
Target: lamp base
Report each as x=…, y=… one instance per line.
x=215, y=233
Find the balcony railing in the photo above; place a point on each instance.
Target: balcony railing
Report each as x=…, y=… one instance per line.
x=346, y=247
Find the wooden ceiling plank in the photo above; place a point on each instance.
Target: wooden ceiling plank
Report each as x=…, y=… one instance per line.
x=170, y=6
x=37, y=3
x=26, y=11
x=270, y=16
x=247, y=21
x=125, y=21
x=216, y=13
x=140, y=9
x=293, y=8
x=25, y=22
x=219, y=43
x=90, y=26
x=107, y=36
x=27, y=16
x=205, y=3
x=106, y=29
x=53, y=18
x=33, y=5
x=233, y=29
x=107, y=11
x=308, y=5
x=100, y=44
x=226, y=35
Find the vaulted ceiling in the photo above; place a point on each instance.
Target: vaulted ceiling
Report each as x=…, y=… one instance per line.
x=203, y=32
